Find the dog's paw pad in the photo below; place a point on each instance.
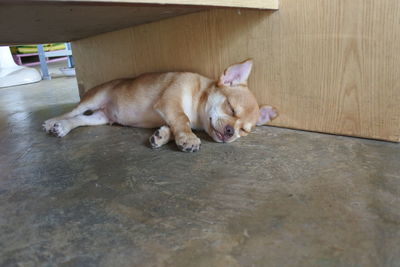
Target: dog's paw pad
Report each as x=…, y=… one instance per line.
x=56, y=128
x=48, y=125
x=193, y=148
x=153, y=142
x=160, y=137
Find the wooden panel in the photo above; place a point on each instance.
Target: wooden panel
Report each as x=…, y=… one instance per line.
x=24, y=24
x=329, y=66
x=37, y=21
x=262, y=4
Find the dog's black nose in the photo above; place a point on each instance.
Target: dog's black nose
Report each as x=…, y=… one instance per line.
x=229, y=131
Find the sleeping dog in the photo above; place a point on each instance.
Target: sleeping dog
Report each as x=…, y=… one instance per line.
x=177, y=102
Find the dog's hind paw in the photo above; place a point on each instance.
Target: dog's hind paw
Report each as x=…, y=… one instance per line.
x=47, y=125
x=56, y=128
x=188, y=143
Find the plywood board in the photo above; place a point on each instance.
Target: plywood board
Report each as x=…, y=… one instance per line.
x=328, y=66
x=36, y=21
x=25, y=24
x=262, y=4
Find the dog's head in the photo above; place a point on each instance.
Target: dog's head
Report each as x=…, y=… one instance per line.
x=231, y=110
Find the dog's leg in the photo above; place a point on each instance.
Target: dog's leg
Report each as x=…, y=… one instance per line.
x=179, y=124
x=63, y=126
x=161, y=137
x=49, y=124
x=94, y=100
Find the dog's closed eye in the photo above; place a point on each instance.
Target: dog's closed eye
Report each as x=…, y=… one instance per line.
x=231, y=110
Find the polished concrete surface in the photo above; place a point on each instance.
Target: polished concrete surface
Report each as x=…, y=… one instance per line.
x=101, y=197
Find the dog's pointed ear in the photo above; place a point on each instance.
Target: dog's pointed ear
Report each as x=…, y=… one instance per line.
x=267, y=114
x=236, y=74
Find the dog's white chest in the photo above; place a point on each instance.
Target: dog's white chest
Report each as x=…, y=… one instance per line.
x=188, y=109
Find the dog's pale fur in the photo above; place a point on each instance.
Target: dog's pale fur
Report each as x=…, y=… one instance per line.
x=175, y=101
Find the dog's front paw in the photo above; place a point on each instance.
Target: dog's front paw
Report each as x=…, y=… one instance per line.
x=57, y=128
x=188, y=142
x=160, y=137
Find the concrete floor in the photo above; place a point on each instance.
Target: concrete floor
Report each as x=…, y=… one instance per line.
x=101, y=197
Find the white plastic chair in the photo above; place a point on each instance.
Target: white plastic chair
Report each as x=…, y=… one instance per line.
x=11, y=74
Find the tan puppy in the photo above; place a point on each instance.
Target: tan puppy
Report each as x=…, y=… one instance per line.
x=175, y=101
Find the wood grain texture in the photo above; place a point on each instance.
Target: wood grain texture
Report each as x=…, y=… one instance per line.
x=262, y=4
x=25, y=24
x=328, y=66
x=44, y=21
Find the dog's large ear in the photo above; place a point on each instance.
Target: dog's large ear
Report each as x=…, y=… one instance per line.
x=236, y=74
x=267, y=114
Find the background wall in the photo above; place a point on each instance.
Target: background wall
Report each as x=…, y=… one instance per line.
x=328, y=66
